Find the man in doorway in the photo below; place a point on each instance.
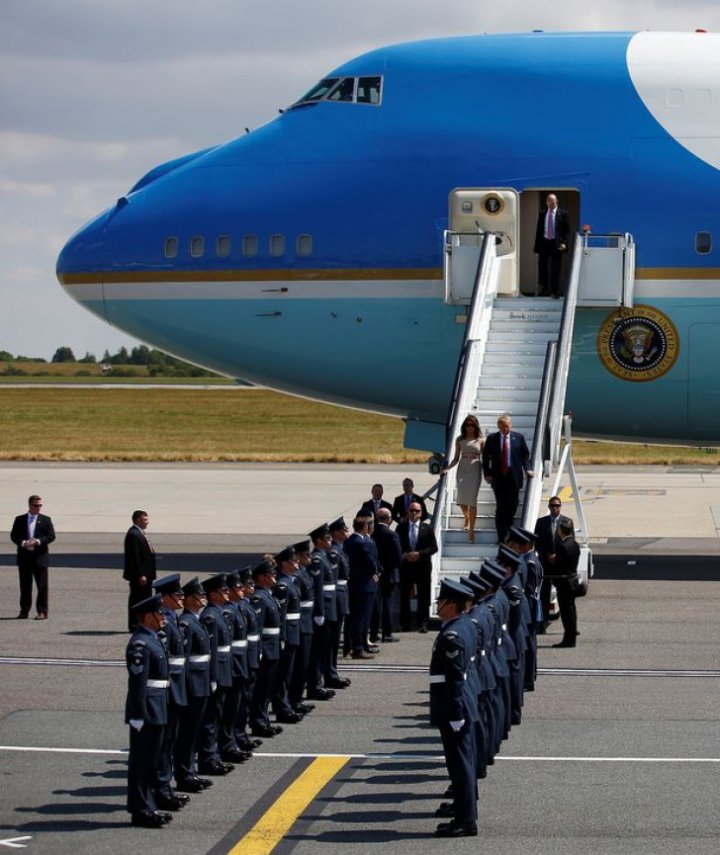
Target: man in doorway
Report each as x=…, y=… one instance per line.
x=551, y=243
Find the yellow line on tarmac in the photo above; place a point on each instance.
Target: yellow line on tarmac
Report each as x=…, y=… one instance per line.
x=274, y=824
x=565, y=495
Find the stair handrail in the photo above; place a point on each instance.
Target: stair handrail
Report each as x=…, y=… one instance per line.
x=541, y=449
x=477, y=302
x=564, y=350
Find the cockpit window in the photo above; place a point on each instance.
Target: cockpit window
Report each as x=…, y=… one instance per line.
x=357, y=90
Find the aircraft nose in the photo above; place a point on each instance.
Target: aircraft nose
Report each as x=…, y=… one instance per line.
x=79, y=263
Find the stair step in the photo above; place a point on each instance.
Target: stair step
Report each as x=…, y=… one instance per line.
x=463, y=566
x=527, y=362
x=524, y=326
x=517, y=350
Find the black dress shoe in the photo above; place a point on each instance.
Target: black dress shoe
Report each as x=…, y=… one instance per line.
x=164, y=816
x=216, y=768
x=449, y=793
x=147, y=819
x=289, y=718
x=172, y=803
x=181, y=797
x=388, y=639
x=340, y=683
x=457, y=829
x=24, y=616
x=321, y=694
x=190, y=785
x=372, y=648
x=304, y=708
x=361, y=654
x=267, y=732
x=248, y=744
x=235, y=755
x=423, y=628
x=565, y=644
x=516, y=718
x=446, y=809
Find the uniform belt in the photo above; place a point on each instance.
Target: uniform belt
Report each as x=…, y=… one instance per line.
x=307, y=604
x=329, y=587
x=224, y=649
x=240, y=643
x=342, y=583
x=271, y=630
x=504, y=626
x=482, y=653
x=176, y=660
x=437, y=678
x=157, y=684
x=292, y=616
x=255, y=637
x=199, y=657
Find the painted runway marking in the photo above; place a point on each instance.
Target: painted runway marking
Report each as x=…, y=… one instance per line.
x=275, y=823
x=291, y=755
x=15, y=842
x=402, y=669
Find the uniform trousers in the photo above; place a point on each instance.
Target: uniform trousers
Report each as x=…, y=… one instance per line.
x=188, y=737
x=336, y=632
x=319, y=653
x=460, y=759
x=281, y=693
x=264, y=686
x=208, y=751
x=143, y=759
x=300, y=670
x=243, y=717
x=230, y=713
x=167, y=752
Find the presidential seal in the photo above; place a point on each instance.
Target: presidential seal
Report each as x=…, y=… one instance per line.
x=638, y=344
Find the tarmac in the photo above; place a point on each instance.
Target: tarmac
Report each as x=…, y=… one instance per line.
x=617, y=751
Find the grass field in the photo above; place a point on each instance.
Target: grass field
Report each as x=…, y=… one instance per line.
x=91, y=372
x=231, y=424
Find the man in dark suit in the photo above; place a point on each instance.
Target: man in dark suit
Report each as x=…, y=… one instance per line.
x=546, y=530
x=389, y=556
x=402, y=502
x=551, y=243
x=139, y=567
x=31, y=533
x=505, y=458
x=418, y=544
x=372, y=506
x=364, y=574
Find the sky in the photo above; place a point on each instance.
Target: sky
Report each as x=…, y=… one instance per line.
x=94, y=93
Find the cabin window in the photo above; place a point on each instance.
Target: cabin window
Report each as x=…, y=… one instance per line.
x=223, y=246
x=277, y=245
x=304, y=245
x=249, y=246
x=703, y=243
x=197, y=246
x=344, y=91
x=171, y=247
x=368, y=90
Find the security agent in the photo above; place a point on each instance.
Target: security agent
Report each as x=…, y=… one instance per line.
x=146, y=712
x=324, y=578
x=213, y=619
x=230, y=748
x=197, y=646
x=269, y=619
x=172, y=599
x=453, y=708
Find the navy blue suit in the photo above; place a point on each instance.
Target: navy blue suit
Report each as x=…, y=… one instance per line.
x=389, y=556
x=506, y=485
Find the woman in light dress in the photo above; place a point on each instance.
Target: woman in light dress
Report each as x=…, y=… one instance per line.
x=468, y=452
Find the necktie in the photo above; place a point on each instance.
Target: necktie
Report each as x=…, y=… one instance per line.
x=148, y=541
x=505, y=461
x=550, y=226
x=413, y=535
x=554, y=529
x=31, y=526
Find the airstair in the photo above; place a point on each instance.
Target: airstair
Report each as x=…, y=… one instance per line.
x=515, y=359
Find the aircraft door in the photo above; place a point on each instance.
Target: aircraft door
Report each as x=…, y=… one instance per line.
x=473, y=212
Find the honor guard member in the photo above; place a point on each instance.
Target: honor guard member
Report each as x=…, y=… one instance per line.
x=213, y=619
x=304, y=583
x=339, y=532
x=523, y=542
x=518, y=623
x=494, y=574
x=243, y=738
x=269, y=619
x=197, y=647
x=230, y=749
x=287, y=595
x=172, y=599
x=325, y=612
x=453, y=708
x=146, y=712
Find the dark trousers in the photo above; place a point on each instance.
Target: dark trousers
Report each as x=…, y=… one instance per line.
x=264, y=687
x=243, y=716
x=230, y=713
x=138, y=593
x=549, y=265
x=568, y=612
x=361, y=604
x=335, y=634
x=460, y=759
x=167, y=752
x=188, y=737
x=208, y=751
x=319, y=653
x=143, y=759
x=506, y=501
x=386, y=601
x=416, y=574
x=27, y=572
x=300, y=670
x=281, y=693
x=545, y=591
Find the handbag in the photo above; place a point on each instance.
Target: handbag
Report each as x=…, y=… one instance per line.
x=578, y=586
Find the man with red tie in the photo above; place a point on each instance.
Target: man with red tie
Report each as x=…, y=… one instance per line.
x=505, y=460
x=551, y=243
x=139, y=563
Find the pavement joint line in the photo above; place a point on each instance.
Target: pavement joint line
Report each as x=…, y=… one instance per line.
x=275, y=823
x=439, y=758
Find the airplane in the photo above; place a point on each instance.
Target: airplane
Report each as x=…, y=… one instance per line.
x=309, y=255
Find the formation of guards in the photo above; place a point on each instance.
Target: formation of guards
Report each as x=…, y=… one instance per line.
x=484, y=659
x=210, y=660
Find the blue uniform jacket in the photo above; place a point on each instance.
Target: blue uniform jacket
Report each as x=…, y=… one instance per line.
x=451, y=698
x=325, y=583
x=197, y=646
x=343, y=574
x=253, y=634
x=175, y=646
x=238, y=640
x=287, y=595
x=304, y=584
x=213, y=620
x=267, y=612
x=148, y=678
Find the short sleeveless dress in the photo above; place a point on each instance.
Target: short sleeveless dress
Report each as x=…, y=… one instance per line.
x=469, y=471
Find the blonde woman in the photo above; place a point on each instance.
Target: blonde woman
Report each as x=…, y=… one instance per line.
x=468, y=453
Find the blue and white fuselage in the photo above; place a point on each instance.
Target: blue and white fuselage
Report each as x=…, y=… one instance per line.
x=307, y=255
